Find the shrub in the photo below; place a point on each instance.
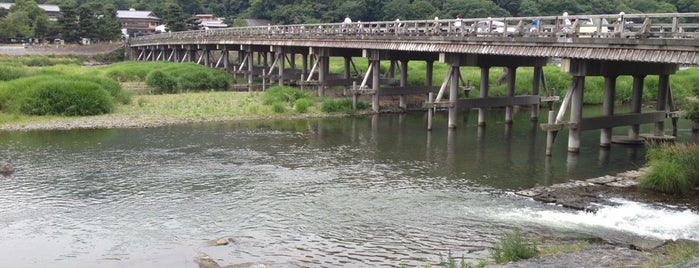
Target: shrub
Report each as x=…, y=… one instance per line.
x=301, y=105
x=55, y=94
x=163, y=82
x=12, y=71
x=672, y=169
x=512, y=248
x=65, y=98
x=691, y=111
x=195, y=80
x=113, y=87
x=282, y=94
x=341, y=106
x=278, y=107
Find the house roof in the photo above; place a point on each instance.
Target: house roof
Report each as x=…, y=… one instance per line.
x=136, y=14
x=47, y=8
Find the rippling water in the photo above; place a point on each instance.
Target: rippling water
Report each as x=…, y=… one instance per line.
x=357, y=192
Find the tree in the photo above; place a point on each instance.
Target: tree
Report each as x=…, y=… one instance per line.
x=68, y=23
x=109, y=24
x=87, y=22
x=26, y=20
x=396, y=9
x=16, y=25
x=422, y=9
x=173, y=17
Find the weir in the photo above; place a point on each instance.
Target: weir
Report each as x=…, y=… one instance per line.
x=642, y=45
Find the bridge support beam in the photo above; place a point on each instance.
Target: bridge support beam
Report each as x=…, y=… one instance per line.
x=634, y=118
x=608, y=109
x=636, y=105
x=663, y=92
x=402, y=99
x=511, y=77
x=576, y=104
x=482, y=112
x=536, y=89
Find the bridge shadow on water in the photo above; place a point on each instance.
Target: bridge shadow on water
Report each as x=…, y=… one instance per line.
x=499, y=155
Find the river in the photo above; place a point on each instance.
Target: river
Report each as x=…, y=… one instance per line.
x=358, y=192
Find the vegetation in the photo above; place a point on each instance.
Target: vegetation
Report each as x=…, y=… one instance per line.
x=168, y=77
x=672, y=169
x=52, y=95
x=96, y=19
x=512, y=247
x=450, y=262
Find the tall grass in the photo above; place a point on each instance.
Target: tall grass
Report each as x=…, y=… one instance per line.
x=42, y=61
x=513, y=247
x=673, y=169
x=60, y=95
x=188, y=76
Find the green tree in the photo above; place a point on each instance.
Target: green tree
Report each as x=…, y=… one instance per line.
x=396, y=9
x=422, y=9
x=88, y=22
x=174, y=17
x=109, y=24
x=68, y=22
x=26, y=19
x=16, y=25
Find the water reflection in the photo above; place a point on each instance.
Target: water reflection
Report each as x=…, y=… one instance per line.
x=355, y=191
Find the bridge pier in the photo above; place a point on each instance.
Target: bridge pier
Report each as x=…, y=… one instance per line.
x=402, y=99
x=608, y=109
x=484, y=86
x=611, y=70
x=510, y=77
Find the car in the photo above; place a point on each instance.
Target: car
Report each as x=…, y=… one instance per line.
x=591, y=26
x=493, y=26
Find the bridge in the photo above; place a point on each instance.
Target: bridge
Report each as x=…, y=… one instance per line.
x=609, y=45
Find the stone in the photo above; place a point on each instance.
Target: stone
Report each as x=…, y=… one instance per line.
x=221, y=242
x=603, y=179
x=6, y=169
x=529, y=193
x=623, y=183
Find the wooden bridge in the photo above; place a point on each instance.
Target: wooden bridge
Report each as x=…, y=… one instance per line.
x=611, y=45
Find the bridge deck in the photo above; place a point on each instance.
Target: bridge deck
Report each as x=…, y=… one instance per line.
x=660, y=38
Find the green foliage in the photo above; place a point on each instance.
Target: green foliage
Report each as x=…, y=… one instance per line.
x=691, y=108
x=672, y=169
x=340, y=106
x=64, y=97
x=10, y=71
x=114, y=88
x=512, y=247
x=282, y=94
x=278, y=107
x=39, y=61
x=189, y=76
x=174, y=17
x=301, y=105
x=61, y=95
x=164, y=83
x=450, y=262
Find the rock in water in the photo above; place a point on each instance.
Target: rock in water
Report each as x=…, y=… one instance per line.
x=6, y=169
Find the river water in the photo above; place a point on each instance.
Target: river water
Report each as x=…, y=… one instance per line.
x=356, y=192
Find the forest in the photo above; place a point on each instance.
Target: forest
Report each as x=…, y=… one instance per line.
x=311, y=11
x=99, y=22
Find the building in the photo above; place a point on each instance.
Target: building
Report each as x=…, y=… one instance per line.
x=209, y=21
x=138, y=21
x=52, y=11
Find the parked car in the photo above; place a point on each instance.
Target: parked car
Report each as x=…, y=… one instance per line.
x=493, y=26
x=590, y=26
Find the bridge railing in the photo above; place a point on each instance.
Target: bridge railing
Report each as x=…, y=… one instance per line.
x=655, y=25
